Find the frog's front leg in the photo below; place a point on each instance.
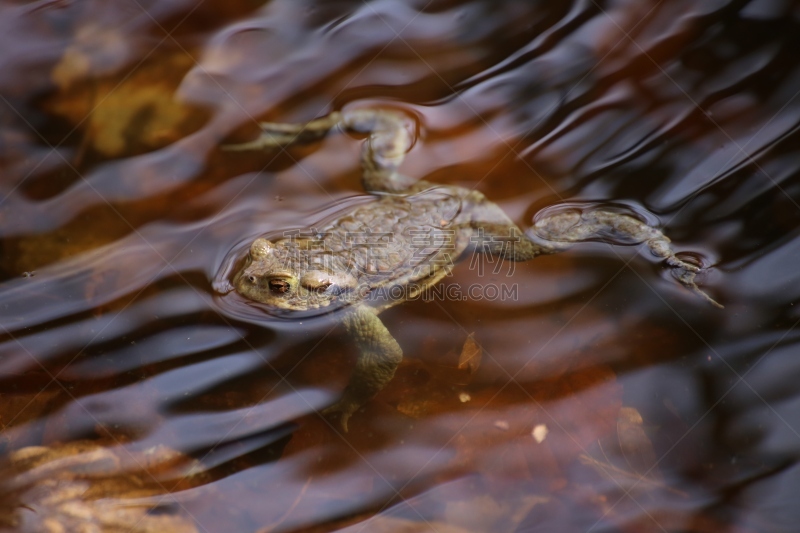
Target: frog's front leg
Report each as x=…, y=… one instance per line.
x=388, y=142
x=378, y=357
x=278, y=134
x=389, y=139
x=566, y=227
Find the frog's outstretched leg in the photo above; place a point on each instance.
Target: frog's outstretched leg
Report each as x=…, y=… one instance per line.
x=389, y=140
x=571, y=226
x=379, y=355
x=495, y=233
x=276, y=134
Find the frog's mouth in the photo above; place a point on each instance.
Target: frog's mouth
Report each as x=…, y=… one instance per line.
x=252, y=310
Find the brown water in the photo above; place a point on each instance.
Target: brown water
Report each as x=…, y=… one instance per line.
x=119, y=210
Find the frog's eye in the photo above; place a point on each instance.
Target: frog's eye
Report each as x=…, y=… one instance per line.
x=322, y=287
x=316, y=280
x=326, y=282
x=279, y=285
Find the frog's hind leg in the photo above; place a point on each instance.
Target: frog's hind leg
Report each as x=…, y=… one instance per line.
x=494, y=233
x=573, y=225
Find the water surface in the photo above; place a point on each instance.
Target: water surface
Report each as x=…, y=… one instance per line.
x=119, y=210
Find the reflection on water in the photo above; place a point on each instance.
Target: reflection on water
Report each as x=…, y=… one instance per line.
x=118, y=211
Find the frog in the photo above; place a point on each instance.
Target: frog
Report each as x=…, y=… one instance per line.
x=404, y=241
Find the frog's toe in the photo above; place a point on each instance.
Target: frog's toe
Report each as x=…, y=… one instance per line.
x=277, y=134
x=268, y=139
x=344, y=409
x=687, y=279
x=676, y=262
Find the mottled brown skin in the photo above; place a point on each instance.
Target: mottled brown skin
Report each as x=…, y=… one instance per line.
x=385, y=252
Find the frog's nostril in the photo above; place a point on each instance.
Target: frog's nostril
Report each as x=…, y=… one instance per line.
x=251, y=278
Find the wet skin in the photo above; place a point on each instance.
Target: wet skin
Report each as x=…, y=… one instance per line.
x=385, y=252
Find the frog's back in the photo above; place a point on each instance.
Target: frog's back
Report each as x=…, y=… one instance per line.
x=398, y=239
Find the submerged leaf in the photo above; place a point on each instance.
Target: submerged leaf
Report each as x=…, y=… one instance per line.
x=471, y=354
x=90, y=485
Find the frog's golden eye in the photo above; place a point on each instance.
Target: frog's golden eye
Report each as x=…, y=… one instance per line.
x=323, y=282
x=279, y=286
x=322, y=287
x=316, y=280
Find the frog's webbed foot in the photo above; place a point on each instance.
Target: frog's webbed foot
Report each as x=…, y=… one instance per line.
x=684, y=272
x=379, y=355
x=277, y=134
x=344, y=409
x=567, y=226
